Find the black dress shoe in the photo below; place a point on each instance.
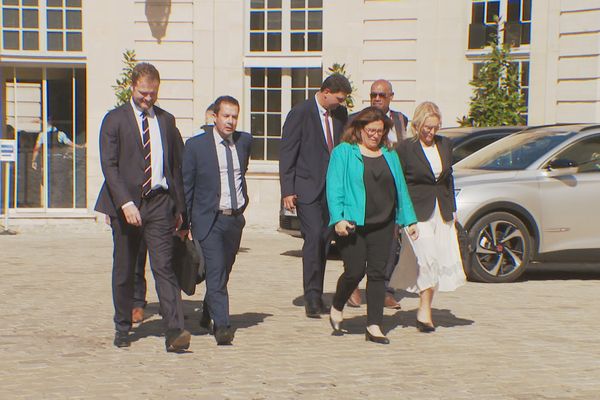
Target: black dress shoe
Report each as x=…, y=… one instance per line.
x=323, y=308
x=224, y=335
x=313, y=309
x=425, y=328
x=376, y=339
x=122, y=339
x=206, y=323
x=177, y=340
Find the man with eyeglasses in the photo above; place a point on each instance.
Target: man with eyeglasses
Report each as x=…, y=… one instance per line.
x=381, y=96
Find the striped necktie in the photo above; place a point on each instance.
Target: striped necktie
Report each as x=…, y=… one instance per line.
x=147, y=185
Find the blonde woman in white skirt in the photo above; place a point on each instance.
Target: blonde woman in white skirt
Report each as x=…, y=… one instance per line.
x=432, y=262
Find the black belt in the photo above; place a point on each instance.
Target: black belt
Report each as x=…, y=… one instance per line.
x=155, y=192
x=230, y=212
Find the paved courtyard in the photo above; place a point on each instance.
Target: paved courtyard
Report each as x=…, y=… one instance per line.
x=535, y=339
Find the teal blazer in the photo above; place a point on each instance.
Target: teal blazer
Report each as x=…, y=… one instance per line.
x=346, y=197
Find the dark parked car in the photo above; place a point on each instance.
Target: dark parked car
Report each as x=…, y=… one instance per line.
x=466, y=141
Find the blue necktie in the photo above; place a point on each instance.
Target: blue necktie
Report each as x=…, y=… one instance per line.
x=230, y=175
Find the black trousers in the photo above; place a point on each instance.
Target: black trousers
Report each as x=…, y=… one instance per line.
x=158, y=225
x=314, y=221
x=365, y=251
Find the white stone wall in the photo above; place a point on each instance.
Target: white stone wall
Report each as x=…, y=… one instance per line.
x=419, y=45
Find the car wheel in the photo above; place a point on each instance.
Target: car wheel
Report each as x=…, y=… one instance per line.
x=501, y=248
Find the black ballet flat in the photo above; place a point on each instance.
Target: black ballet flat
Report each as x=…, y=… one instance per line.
x=376, y=339
x=425, y=328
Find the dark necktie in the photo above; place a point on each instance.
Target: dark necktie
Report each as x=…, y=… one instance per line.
x=230, y=175
x=147, y=185
x=328, y=132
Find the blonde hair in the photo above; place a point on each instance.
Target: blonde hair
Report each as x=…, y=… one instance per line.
x=423, y=111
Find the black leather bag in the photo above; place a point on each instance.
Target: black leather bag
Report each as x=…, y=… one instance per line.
x=188, y=264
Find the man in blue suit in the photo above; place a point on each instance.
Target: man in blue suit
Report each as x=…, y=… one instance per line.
x=214, y=168
x=311, y=130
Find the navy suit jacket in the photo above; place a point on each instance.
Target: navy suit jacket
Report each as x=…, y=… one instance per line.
x=201, y=178
x=122, y=160
x=303, y=155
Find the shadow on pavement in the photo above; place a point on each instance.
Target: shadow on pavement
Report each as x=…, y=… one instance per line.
x=561, y=271
x=328, y=297
x=405, y=319
x=333, y=254
x=192, y=313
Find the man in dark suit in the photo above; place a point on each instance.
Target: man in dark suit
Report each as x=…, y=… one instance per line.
x=311, y=130
x=381, y=96
x=140, y=154
x=214, y=169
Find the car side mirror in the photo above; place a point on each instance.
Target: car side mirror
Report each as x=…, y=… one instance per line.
x=561, y=167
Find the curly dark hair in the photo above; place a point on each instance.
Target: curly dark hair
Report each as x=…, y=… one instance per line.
x=364, y=118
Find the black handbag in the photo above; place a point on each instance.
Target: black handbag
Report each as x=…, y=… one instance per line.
x=188, y=264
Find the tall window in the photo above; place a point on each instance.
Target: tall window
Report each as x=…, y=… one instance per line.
x=514, y=14
x=46, y=25
x=64, y=25
x=20, y=25
x=273, y=92
x=265, y=25
x=306, y=25
x=282, y=35
x=45, y=112
x=286, y=26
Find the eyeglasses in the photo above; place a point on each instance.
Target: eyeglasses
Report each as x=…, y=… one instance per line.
x=380, y=94
x=372, y=131
x=434, y=128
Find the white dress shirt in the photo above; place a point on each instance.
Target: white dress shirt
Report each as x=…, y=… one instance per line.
x=156, y=148
x=225, y=200
x=392, y=135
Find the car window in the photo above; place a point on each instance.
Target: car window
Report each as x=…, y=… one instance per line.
x=586, y=153
x=515, y=152
x=470, y=146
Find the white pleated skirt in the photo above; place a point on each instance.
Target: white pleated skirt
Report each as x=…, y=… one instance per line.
x=431, y=261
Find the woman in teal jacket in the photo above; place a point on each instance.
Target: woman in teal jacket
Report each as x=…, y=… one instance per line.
x=367, y=197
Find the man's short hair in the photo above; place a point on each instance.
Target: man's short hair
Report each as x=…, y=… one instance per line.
x=144, y=69
x=211, y=108
x=337, y=83
x=224, y=99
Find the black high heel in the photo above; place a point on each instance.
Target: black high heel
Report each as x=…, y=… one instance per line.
x=425, y=328
x=376, y=339
x=336, y=326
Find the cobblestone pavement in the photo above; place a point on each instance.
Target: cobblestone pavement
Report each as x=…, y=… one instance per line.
x=535, y=339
